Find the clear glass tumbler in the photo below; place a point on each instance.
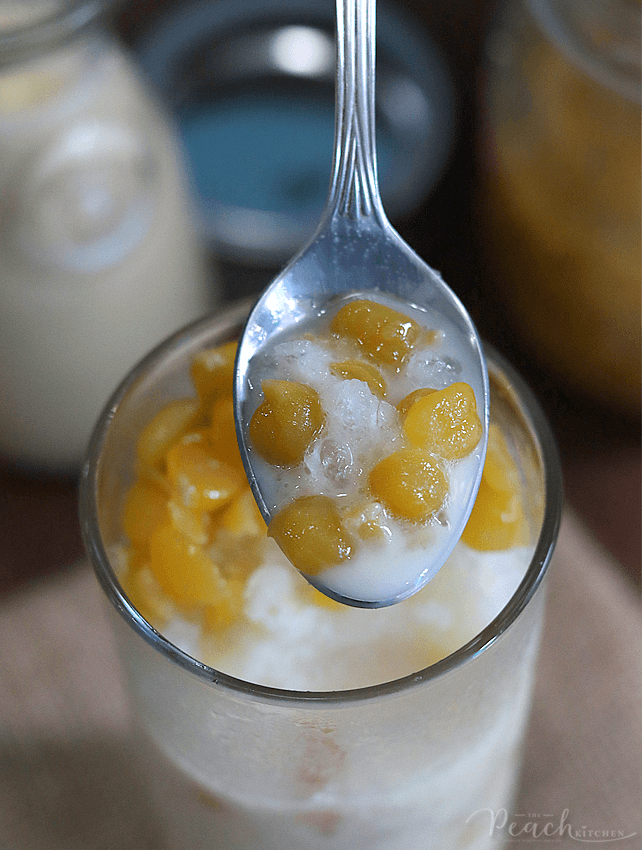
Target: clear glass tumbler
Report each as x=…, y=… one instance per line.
x=407, y=764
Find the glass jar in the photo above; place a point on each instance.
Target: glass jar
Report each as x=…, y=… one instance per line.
x=560, y=201
x=98, y=258
x=252, y=85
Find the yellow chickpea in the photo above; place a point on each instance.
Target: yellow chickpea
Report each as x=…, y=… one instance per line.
x=202, y=482
x=410, y=483
x=384, y=334
x=497, y=520
x=358, y=370
x=169, y=424
x=444, y=421
x=212, y=372
x=242, y=517
x=222, y=433
x=145, y=508
x=285, y=423
x=406, y=403
x=310, y=533
x=183, y=569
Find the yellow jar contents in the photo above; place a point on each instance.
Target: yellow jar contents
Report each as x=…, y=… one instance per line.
x=161, y=433
x=356, y=370
x=212, y=372
x=195, y=534
x=561, y=211
x=497, y=520
x=201, y=481
x=222, y=433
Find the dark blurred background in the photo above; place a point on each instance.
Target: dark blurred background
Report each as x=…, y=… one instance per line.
x=599, y=442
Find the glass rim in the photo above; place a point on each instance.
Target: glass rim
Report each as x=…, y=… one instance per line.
x=229, y=319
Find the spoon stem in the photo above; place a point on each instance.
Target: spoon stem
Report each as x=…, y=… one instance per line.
x=354, y=188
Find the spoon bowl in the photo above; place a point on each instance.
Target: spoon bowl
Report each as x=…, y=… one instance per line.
x=355, y=249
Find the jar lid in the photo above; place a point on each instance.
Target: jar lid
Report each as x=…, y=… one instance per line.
x=31, y=28
x=252, y=88
x=600, y=37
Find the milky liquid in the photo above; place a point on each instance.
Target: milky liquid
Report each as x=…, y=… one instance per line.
x=98, y=259
x=447, y=808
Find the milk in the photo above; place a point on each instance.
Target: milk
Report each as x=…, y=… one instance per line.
x=99, y=262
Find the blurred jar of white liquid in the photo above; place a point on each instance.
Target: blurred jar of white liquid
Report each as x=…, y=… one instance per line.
x=98, y=259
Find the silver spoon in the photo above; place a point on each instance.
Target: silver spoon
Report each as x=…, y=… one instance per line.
x=354, y=242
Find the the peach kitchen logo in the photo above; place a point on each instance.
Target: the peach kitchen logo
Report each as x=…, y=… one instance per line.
x=545, y=828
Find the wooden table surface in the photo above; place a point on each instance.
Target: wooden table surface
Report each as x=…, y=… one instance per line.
x=39, y=530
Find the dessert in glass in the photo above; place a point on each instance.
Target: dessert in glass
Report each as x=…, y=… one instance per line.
x=273, y=717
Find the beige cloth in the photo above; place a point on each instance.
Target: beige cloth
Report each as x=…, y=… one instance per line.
x=68, y=780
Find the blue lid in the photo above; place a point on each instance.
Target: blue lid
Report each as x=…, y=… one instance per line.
x=258, y=132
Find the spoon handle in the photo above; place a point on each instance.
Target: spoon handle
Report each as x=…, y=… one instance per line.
x=354, y=187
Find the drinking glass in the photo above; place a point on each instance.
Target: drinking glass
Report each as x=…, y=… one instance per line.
x=411, y=763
